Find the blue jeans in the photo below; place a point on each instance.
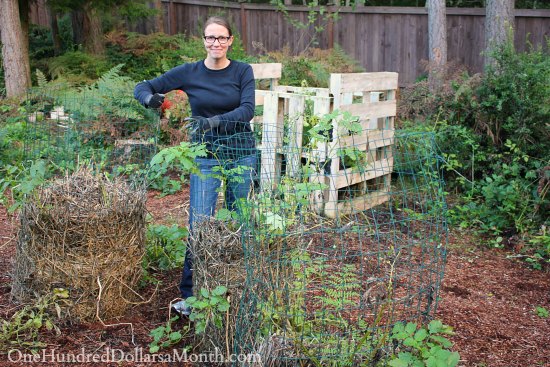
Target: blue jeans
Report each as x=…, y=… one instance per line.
x=204, y=195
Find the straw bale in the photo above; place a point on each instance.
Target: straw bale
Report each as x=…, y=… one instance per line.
x=86, y=234
x=218, y=259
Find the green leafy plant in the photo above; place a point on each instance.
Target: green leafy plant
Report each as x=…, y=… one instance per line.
x=338, y=292
x=542, y=312
x=180, y=158
x=165, y=247
x=540, y=245
x=23, y=329
x=419, y=347
x=19, y=181
x=13, y=132
x=276, y=212
x=208, y=308
x=77, y=67
x=165, y=336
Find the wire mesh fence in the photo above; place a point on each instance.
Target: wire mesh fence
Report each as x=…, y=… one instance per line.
x=93, y=125
x=343, y=232
x=326, y=281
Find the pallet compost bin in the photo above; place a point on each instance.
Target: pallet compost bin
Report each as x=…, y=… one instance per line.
x=371, y=97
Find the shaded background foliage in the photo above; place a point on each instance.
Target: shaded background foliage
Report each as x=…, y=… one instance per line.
x=492, y=128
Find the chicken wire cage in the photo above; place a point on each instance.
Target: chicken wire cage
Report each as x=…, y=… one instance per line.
x=105, y=128
x=326, y=281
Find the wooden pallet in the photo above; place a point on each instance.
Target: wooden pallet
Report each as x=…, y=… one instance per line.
x=369, y=96
x=280, y=104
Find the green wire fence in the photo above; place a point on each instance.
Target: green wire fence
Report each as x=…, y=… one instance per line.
x=325, y=288
x=103, y=127
x=343, y=232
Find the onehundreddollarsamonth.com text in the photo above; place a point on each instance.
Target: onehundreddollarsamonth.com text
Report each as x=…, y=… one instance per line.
x=136, y=355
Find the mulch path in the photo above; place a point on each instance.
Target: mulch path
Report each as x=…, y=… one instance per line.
x=488, y=299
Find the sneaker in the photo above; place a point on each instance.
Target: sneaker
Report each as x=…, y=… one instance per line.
x=182, y=308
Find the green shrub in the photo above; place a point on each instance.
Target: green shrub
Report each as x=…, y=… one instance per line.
x=514, y=100
x=40, y=42
x=144, y=56
x=492, y=129
x=148, y=56
x=77, y=67
x=508, y=195
x=312, y=68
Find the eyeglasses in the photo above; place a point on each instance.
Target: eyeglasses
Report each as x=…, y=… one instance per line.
x=221, y=39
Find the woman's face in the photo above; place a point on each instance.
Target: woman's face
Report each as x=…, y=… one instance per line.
x=217, y=41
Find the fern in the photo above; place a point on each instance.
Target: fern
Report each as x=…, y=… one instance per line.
x=41, y=78
x=342, y=289
x=109, y=99
x=111, y=95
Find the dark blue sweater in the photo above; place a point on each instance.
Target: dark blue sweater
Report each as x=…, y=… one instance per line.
x=227, y=93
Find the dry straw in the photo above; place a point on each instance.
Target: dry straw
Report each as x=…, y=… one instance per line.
x=218, y=260
x=86, y=234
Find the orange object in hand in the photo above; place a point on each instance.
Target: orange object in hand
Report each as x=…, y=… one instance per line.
x=166, y=105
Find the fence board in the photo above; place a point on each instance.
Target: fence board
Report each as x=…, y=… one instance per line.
x=380, y=38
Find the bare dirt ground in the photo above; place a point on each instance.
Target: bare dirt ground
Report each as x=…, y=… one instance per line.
x=489, y=300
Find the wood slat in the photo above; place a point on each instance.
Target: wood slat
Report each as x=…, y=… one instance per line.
x=371, y=110
x=363, y=203
x=348, y=177
x=296, y=107
x=362, y=82
x=372, y=139
x=267, y=70
x=319, y=92
x=271, y=140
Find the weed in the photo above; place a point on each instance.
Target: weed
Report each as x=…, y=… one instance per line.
x=542, y=312
x=18, y=182
x=423, y=346
x=22, y=330
x=208, y=308
x=180, y=158
x=165, y=247
x=164, y=336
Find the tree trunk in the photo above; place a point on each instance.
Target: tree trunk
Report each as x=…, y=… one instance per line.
x=499, y=19
x=93, y=33
x=24, y=16
x=24, y=9
x=55, y=31
x=160, y=16
x=437, y=40
x=15, y=61
x=77, y=22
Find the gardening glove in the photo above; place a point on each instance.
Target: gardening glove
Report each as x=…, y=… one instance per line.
x=197, y=124
x=154, y=100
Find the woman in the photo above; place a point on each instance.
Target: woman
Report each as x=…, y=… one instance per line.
x=221, y=94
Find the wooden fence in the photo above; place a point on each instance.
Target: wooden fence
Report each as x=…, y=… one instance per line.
x=380, y=38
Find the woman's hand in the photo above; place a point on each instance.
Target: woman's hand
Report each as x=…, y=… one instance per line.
x=199, y=124
x=154, y=100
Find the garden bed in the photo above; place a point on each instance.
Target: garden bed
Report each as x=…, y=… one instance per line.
x=489, y=300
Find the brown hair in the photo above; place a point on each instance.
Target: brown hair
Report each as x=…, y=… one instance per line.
x=220, y=21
